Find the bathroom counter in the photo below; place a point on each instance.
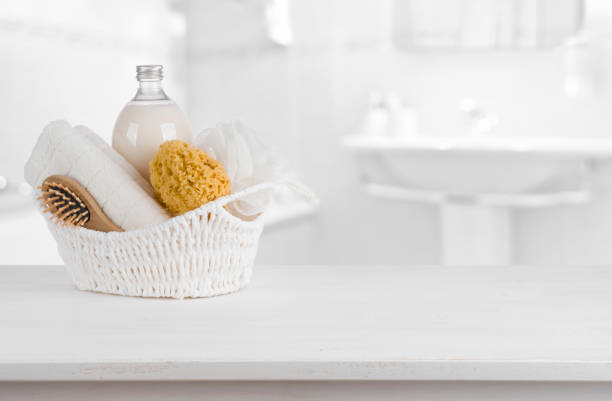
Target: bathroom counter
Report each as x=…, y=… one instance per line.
x=312, y=323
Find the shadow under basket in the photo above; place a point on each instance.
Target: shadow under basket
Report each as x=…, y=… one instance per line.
x=202, y=253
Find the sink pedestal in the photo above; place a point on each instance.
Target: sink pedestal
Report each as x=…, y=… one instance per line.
x=477, y=181
x=473, y=234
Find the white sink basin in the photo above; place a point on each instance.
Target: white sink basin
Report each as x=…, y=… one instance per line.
x=474, y=165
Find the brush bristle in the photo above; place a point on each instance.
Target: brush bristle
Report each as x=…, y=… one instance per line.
x=66, y=207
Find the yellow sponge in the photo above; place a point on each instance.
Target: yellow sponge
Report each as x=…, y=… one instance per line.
x=185, y=178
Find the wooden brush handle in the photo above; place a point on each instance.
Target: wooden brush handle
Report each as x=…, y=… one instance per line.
x=98, y=220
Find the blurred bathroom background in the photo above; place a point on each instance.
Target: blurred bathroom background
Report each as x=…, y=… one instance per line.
x=308, y=75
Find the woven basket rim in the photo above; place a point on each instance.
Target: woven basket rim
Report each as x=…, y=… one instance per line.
x=214, y=206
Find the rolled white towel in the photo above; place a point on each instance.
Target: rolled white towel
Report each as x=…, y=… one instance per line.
x=124, y=195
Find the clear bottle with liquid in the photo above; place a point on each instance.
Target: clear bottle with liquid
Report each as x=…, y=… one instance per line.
x=148, y=120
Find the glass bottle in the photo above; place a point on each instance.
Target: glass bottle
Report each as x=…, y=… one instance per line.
x=148, y=120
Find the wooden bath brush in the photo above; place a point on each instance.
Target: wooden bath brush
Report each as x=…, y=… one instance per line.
x=72, y=205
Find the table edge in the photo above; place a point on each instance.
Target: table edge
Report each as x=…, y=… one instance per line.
x=424, y=370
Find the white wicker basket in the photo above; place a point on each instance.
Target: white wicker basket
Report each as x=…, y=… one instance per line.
x=202, y=253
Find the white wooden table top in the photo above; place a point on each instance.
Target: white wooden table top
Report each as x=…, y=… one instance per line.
x=317, y=323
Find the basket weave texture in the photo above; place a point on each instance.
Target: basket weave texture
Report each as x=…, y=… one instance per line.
x=202, y=253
